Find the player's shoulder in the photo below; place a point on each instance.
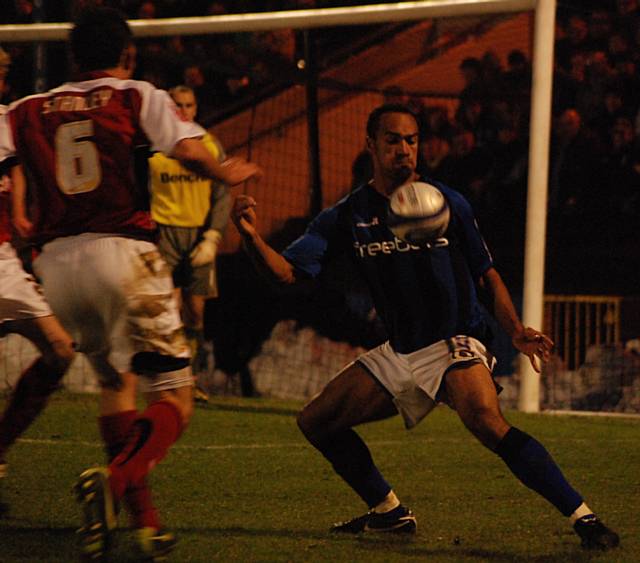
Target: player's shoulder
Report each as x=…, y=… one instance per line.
x=455, y=199
x=24, y=102
x=357, y=196
x=96, y=81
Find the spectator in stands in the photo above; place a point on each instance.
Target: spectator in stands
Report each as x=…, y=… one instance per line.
x=492, y=73
x=474, y=114
x=612, y=108
x=573, y=42
x=208, y=95
x=599, y=29
x=467, y=168
x=192, y=213
x=624, y=185
x=435, y=350
x=147, y=10
x=598, y=75
x=618, y=47
x=436, y=122
x=576, y=171
x=505, y=199
x=621, y=143
x=433, y=150
x=517, y=80
x=628, y=15
x=474, y=88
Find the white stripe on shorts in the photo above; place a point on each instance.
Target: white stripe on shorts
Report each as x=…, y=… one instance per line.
x=20, y=295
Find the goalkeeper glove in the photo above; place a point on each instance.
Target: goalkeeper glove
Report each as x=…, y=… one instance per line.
x=205, y=251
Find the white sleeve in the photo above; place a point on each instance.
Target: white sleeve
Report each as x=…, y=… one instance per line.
x=7, y=146
x=161, y=121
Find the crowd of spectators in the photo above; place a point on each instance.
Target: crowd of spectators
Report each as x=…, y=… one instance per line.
x=594, y=176
x=218, y=67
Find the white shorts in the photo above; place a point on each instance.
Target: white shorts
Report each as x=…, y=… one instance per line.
x=115, y=296
x=414, y=379
x=20, y=295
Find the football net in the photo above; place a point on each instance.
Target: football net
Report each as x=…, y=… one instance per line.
x=314, y=76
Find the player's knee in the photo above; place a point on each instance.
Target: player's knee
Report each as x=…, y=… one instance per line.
x=59, y=357
x=317, y=428
x=487, y=425
x=308, y=425
x=186, y=411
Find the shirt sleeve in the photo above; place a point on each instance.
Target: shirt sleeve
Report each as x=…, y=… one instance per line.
x=307, y=253
x=473, y=244
x=161, y=121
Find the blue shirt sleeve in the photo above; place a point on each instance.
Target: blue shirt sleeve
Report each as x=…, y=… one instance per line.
x=307, y=253
x=476, y=251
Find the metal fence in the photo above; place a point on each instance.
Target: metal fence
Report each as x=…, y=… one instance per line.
x=576, y=322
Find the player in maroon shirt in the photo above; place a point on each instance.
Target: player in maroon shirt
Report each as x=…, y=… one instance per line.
x=103, y=277
x=24, y=311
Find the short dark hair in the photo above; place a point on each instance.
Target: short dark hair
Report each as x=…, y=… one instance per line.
x=373, y=123
x=98, y=38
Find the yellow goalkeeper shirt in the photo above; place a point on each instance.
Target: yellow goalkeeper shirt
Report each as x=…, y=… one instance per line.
x=179, y=197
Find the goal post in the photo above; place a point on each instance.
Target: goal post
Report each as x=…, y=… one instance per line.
x=296, y=19
x=540, y=120
x=537, y=192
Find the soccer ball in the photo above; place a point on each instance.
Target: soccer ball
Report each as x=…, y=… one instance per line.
x=418, y=213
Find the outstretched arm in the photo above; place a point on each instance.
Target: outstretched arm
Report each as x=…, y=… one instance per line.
x=193, y=154
x=266, y=260
x=531, y=342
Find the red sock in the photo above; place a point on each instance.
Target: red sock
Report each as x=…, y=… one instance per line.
x=153, y=433
x=29, y=398
x=115, y=430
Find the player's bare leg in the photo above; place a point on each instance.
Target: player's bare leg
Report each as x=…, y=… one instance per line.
x=472, y=393
x=36, y=383
x=354, y=397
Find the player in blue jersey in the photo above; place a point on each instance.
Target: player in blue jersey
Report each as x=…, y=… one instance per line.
x=428, y=300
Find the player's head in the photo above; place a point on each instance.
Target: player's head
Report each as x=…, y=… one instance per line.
x=185, y=100
x=100, y=39
x=392, y=140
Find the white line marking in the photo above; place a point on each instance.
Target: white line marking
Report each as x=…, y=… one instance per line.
x=50, y=442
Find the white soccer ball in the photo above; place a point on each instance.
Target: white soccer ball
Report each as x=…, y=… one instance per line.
x=418, y=213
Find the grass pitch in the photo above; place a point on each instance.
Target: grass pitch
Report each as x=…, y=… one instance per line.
x=243, y=485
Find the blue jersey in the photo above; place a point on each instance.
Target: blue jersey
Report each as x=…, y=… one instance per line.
x=422, y=294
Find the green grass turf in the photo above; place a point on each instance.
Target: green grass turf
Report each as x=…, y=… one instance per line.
x=243, y=485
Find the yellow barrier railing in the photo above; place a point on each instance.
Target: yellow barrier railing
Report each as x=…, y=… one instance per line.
x=576, y=322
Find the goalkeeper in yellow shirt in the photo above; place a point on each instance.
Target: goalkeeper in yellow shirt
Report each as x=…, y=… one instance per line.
x=191, y=212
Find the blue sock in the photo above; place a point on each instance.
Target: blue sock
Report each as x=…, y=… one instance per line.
x=352, y=460
x=533, y=465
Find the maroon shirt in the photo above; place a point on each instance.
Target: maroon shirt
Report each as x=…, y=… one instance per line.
x=77, y=143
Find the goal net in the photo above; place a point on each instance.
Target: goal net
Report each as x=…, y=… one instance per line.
x=292, y=91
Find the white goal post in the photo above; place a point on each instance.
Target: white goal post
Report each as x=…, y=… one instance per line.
x=540, y=125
